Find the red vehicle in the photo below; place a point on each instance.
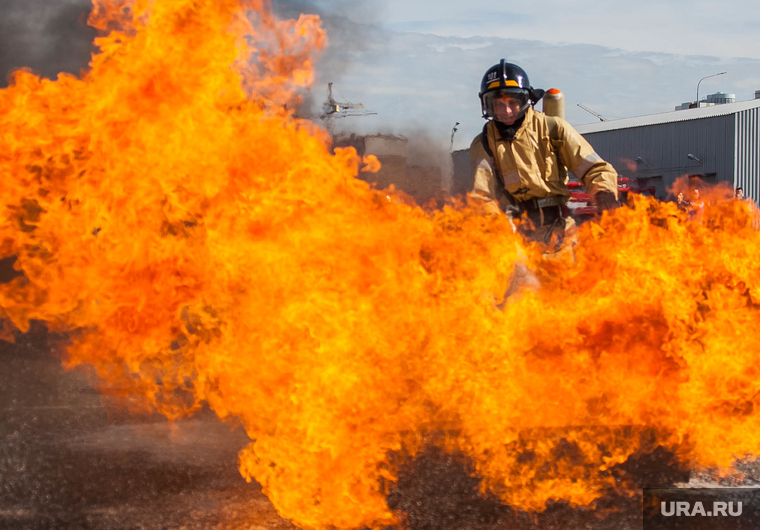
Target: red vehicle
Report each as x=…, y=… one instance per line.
x=582, y=207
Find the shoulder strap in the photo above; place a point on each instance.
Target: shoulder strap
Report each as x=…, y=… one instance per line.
x=486, y=141
x=489, y=151
x=557, y=143
x=553, y=125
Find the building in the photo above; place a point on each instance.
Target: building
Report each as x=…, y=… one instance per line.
x=461, y=180
x=719, y=98
x=718, y=143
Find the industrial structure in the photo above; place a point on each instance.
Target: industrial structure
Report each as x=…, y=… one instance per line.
x=397, y=166
x=717, y=144
x=332, y=109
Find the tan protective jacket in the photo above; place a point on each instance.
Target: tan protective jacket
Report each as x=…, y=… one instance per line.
x=529, y=166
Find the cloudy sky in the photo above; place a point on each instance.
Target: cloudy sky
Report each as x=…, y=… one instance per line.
x=422, y=66
x=727, y=29
x=419, y=67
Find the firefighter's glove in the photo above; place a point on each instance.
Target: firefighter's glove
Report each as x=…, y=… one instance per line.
x=605, y=200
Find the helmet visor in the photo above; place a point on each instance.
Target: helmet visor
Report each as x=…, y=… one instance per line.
x=506, y=105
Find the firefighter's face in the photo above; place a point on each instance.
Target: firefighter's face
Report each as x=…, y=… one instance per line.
x=506, y=108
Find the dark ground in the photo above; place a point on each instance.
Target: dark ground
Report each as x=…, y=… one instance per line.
x=69, y=462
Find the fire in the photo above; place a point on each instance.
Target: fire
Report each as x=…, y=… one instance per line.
x=200, y=244
x=629, y=164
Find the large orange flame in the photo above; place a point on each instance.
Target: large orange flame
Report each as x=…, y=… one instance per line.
x=203, y=246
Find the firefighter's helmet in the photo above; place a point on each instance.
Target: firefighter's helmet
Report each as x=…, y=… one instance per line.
x=510, y=80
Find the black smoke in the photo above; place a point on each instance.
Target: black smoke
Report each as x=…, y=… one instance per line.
x=47, y=36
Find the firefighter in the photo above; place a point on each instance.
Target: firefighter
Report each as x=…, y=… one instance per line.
x=521, y=158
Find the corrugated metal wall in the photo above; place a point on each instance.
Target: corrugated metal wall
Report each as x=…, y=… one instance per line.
x=747, y=152
x=663, y=150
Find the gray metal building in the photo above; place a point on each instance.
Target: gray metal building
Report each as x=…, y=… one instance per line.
x=720, y=143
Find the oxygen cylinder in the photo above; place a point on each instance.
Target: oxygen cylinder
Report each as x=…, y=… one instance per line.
x=554, y=103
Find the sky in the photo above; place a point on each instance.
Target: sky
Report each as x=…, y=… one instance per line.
x=726, y=29
x=419, y=68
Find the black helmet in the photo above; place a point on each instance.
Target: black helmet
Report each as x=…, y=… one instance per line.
x=507, y=78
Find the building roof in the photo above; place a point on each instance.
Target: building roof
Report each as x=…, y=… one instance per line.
x=669, y=117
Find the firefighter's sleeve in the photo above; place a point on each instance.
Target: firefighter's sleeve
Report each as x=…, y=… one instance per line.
x=581, y=159
x=484, y=178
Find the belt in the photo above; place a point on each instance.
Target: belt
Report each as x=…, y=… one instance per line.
x=544, y=211
x=535, y=204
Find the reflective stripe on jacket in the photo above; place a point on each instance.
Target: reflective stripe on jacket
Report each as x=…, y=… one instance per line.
x=529, y=166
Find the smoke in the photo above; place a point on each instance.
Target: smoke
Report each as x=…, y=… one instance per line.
x=425, y=149
x=48, y=36
x=351, y=31
x=349, y=27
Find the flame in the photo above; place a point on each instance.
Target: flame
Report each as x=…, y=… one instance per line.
x=630, y=165
x=201, y=245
